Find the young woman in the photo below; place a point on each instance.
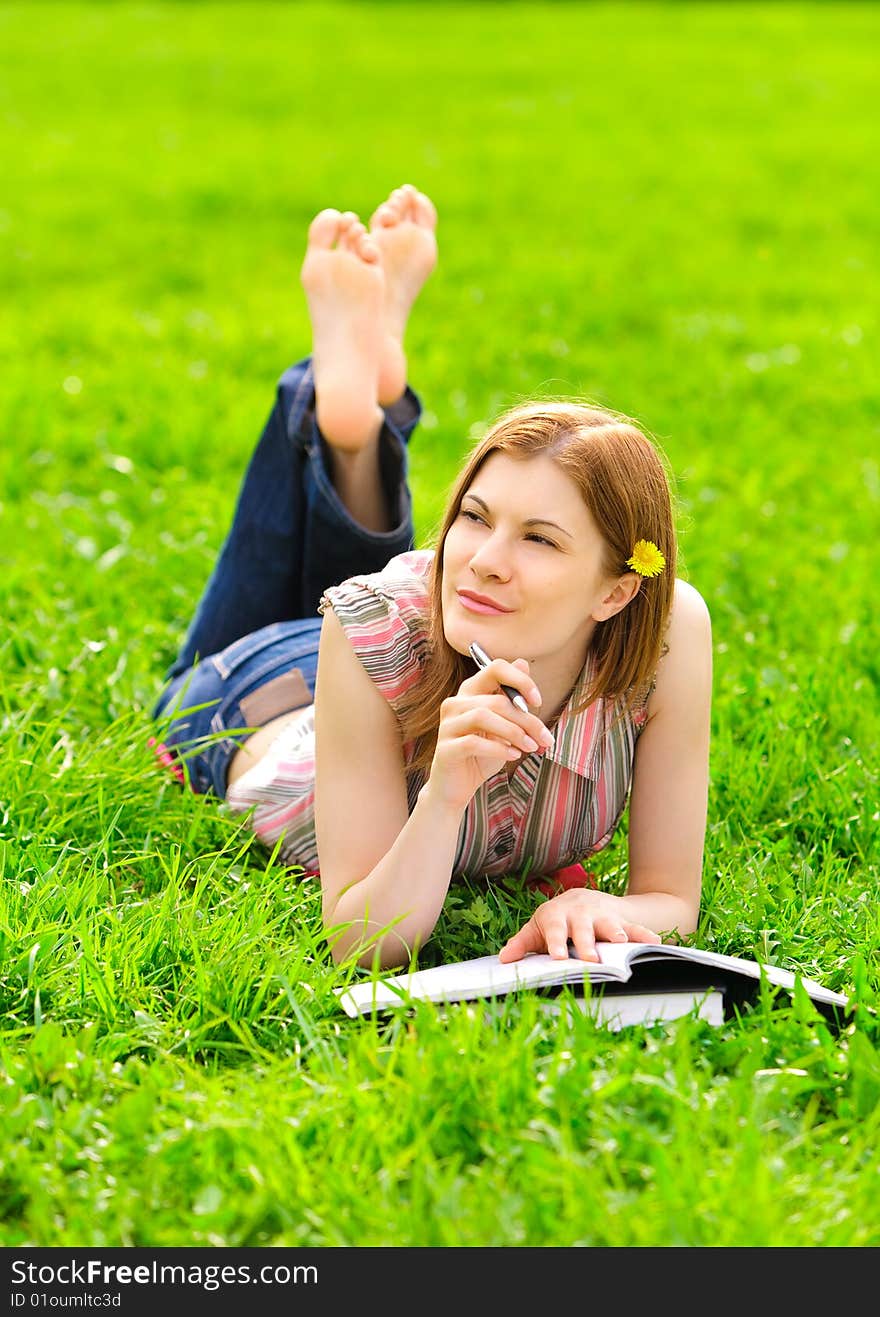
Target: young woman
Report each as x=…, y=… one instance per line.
x=385, y=759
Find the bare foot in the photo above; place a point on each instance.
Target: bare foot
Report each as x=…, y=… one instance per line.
x=402, y=228
x=345, y=289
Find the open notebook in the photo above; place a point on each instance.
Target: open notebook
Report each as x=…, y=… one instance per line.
x=630, y=968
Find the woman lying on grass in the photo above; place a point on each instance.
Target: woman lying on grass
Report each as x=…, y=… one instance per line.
x=385, y=759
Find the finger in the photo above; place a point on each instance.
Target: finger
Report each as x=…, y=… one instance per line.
x=499, y=672
x=529, y=722
x=528, y=939
x=480, y=719
x=500, y=704
x=639, y=933
x=607, y=928
x=554, y=926
x=518, y=725
x=458, y=748
x=584, y=938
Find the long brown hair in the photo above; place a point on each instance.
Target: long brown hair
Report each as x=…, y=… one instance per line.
x=624, y=481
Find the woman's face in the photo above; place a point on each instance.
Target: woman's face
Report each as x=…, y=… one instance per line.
x=525, y=543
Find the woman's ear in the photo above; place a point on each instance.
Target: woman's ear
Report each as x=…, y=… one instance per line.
x=625, y=589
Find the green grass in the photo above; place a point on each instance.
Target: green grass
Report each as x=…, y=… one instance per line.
x=665, y=207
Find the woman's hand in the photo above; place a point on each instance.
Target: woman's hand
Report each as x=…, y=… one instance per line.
x=481, y=731
x=586, y=917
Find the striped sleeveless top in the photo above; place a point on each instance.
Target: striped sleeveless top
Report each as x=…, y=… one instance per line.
x=554, y=810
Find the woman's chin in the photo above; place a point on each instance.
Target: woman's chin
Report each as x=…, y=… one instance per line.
x=461, y=628
x=457, y=635
x=456, y=641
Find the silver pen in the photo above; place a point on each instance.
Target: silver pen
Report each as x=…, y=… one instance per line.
x=482, y=660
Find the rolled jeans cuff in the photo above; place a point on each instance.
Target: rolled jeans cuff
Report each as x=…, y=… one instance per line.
x=334, y=532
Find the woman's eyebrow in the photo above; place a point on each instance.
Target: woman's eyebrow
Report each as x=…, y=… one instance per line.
x=531, y=521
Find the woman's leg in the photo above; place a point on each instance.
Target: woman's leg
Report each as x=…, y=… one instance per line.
x=292, y=535
x=325, y=495
x=208, y=711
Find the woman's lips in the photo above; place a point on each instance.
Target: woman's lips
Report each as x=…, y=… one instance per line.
x=474, y=606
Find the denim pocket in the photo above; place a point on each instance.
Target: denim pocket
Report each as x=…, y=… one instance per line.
x=257, y=659
x=282, y=657
x=259, y=649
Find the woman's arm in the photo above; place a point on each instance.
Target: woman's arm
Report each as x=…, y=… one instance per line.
x=379, y=864
x=667, y=820
x=668, y=803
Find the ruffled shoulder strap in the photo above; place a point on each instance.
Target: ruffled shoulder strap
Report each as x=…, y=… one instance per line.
x=385, y=616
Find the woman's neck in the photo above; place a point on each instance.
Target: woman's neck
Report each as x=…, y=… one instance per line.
x=555, y=682
x=555, y=674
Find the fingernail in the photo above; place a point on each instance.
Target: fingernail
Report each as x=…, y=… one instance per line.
x=547, y=739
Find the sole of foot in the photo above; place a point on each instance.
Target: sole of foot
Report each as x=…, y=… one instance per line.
x=403, y=230
x=344, y=284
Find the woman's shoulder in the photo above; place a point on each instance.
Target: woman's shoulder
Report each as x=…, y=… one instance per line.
x=687, y=648
x=401, y=588
x=407, y=575
x=385, y=616
x=688, y=606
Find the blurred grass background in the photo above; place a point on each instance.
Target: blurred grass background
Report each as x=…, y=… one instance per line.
x=667, y=207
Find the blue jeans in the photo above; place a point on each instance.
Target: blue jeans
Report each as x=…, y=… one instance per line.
x=251, y=651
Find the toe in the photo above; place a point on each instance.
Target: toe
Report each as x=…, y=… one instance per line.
x=425, y=211
x=352, y=235
x=324, y=228
x=384, y=217
x=409, y=197
x=367, y=249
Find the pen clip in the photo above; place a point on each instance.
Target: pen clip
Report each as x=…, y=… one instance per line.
x=480, y=657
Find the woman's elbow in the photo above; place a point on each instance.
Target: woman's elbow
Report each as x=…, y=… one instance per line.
x=688, y=919
x=369, y=946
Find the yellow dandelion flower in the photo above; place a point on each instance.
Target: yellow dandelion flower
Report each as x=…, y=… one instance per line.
x=646, y=559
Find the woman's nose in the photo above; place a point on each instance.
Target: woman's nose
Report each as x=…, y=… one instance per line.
x=492, y=558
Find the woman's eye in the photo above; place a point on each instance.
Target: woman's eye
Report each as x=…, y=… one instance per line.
x=539, y=539
x=471, y=516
